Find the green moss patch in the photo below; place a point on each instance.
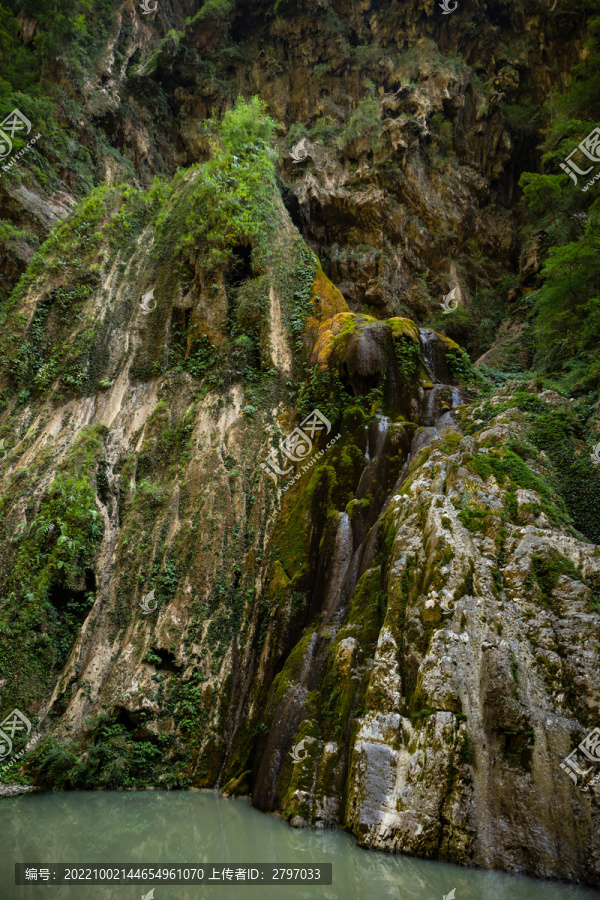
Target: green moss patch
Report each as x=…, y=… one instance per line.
x=46, y=589
x=547, y=570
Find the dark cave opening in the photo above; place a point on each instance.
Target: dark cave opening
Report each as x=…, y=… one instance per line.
x=357, y=384
x=75, y=602
x=240, y=267
x=134, y=723
x=166, y=661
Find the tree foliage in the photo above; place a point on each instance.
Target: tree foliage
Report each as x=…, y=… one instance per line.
x=567, y=296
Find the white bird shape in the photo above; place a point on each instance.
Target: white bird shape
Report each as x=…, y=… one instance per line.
x=146, y=10
x=299, y=152
x=299, y=748
x=450, y=303
x=145, y=604
x=148, y=303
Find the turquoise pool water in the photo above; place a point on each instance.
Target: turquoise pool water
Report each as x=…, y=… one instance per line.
x=162, y=827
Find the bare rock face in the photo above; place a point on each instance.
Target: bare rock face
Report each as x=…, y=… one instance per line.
x=414, y=610
x=261, y=532
x=464, y=722
x=413, y=157
x=477, y=774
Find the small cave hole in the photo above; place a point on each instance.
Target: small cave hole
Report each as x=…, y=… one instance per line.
x=125, y=718
x=73, y=602
x=359, y=385
x=90, y=581
x=292, y=204
x=134, y=723
x=240, y=267
x=163, y=659
x=134, y=58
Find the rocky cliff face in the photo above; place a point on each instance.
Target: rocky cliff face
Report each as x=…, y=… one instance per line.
x=413, y=604
x=418, y=128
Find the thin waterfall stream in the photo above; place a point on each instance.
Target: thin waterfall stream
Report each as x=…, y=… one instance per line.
x=351, y=556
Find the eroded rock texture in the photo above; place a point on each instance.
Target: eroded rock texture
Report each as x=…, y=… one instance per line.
x=414, y=603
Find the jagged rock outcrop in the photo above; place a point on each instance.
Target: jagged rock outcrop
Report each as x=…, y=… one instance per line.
x=418, y=126
x=436, y=726
x=412, y=606
x=476, y=777
x=190, y=585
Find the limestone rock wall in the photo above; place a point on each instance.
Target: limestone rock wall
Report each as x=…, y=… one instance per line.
x=417, y=607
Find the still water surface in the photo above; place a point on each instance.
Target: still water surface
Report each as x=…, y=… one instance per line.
x=162, y=827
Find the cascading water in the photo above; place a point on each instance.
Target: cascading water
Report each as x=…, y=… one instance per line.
x=353, y=549
x=432, y=415
x=342, y=556
x=340, y=581
x=434, y=422
x=428, y=341
x=374, y=448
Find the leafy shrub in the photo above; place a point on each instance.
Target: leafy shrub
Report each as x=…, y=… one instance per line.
x=202, y=358
x=364, y=122
x=546, y=571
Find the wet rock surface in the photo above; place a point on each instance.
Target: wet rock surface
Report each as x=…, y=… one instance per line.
x=398, y=634
x=13, y=790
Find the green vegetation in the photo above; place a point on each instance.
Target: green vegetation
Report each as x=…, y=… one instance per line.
x=461, y=367
x=364, y=123
x=65, y=43
x=566, y=479
x=228, y=200
x=191, y=517
x=62, y=26
x=546, y=571
x=109, y=756
x=407, y=353
x=47, y=585
x=220, y=218
x=566, y=301
x=512, y=472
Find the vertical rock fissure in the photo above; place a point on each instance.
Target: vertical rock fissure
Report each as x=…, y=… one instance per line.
x=352, y=555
